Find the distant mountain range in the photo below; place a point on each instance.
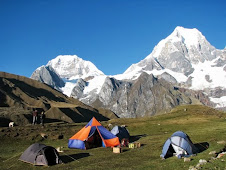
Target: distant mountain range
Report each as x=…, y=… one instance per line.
x=183, y=68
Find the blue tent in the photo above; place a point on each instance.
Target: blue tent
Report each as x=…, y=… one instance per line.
x=180, y=145
x=120, y=132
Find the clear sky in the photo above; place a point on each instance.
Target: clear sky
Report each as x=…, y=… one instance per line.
x=112, y=34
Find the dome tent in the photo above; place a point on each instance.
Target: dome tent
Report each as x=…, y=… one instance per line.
x=180, y=144
x=120, y=132
x=40, y=154
x=93, y=135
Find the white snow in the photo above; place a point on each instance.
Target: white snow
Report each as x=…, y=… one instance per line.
x=221, y=102
x=216, y=74
x=132, y=73
x=95, y=84
x=158, y=48
x=178, y=76
x=191, y=37
x=68, y=88
x=73, y=67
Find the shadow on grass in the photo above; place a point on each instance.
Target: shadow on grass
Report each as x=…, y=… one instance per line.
x=74, y=157
x=202, y=146
x=136, y=138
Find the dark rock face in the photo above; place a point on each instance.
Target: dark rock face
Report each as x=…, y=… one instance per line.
x=217, y=92
x=146, y=96
x=47, y=75
x=166, y=76
x=78, y=89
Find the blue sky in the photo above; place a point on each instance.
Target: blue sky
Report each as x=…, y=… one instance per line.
x=113, y=34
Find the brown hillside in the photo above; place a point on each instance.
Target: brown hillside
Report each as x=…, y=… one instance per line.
x=19, y=95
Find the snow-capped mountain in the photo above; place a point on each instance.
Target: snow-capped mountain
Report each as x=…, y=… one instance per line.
x=184, y=59
x=72, y=67
x=178, y=52
x=69, y=69
x=189, y=58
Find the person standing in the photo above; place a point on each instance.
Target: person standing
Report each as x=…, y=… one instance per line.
x=42, y=118
x=35, y=115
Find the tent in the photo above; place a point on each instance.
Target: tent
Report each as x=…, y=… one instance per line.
x=40, y=154
x=93, y=135
x=120, y=132
x=180, y=145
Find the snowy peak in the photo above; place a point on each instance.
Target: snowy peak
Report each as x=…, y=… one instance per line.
x=73, y=67
x=190, y=37
x=190, y=42
x=185, y=36
x=178, y=52
x=66, y=70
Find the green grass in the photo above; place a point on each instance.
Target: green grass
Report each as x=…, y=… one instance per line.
x=201, y=123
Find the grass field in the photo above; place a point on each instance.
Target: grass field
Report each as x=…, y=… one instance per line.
x=205, y=126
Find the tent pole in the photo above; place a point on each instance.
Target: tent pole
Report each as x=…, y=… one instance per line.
x=13, y=156
x=101, y=136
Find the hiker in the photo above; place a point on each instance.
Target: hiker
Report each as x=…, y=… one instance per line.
x=35, y=115
x=42, y=118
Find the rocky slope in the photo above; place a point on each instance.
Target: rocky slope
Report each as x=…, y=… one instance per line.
x=145, y=96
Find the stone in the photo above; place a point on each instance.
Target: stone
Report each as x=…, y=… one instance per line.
x=187, y=159
x=202, y=161
x=212, y=152
x=221, y=142
x=192, y=168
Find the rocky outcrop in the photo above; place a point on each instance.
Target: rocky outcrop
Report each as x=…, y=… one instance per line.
x=47, y=75
x=146, y=96
x=77, y=91
x=169, y=78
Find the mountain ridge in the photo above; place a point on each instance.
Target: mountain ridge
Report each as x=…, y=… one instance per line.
x=185, y=59
x=20, y=95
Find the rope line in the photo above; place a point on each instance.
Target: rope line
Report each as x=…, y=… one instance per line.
x=70, y=157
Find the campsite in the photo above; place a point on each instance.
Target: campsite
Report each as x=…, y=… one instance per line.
x=205, y=127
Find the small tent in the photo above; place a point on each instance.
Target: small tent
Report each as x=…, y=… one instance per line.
x=120, y=132
x=180, y=145
x=40, y=154
x=93, y=135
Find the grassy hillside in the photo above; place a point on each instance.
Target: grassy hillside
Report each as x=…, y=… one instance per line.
x=20, y=95
x=205, y=126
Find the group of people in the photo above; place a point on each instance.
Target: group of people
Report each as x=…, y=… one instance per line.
x=37, y=117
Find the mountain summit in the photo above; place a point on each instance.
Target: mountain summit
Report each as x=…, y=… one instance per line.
x=73, y=67
x=177, y=53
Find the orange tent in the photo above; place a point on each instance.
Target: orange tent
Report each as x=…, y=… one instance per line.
x=93, y=135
